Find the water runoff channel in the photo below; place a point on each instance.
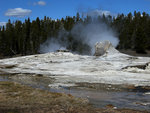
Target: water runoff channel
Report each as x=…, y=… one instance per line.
x=99, y=95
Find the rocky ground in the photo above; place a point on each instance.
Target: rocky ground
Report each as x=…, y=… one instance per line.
x=19, y=91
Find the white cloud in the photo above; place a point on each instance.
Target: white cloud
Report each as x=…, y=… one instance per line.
x=97, y=12
x=41, y=3
x=18, y=12
x=3, y=24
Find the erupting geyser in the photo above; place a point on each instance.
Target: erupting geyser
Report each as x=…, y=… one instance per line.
x=102, y=48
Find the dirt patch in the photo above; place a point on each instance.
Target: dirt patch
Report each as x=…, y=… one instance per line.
x=7, y=66
x=32, y=80
x=138, y=66
x=142, y=89
x=110, y=87
x=2, y=72
x=101, y=86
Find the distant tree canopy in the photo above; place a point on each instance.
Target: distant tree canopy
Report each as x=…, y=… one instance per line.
x=133, y=31
x=26, y=37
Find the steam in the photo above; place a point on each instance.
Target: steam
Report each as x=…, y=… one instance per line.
x=90, y=32
x=51, y=45
x=94, y=32
x=96, y=13
x=55, y=43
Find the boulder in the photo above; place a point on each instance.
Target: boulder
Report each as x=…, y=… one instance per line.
x=101, y=48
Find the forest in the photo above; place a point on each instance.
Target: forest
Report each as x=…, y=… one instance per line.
x=25, y=38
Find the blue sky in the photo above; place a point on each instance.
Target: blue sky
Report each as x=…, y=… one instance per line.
x=21, y=9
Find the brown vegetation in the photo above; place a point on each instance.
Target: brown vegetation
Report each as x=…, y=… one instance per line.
x=17, y=98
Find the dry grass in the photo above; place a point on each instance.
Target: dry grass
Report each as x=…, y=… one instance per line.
x=17, y=98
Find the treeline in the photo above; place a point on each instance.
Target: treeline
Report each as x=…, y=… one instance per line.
x=134, y=31
x=25, y=38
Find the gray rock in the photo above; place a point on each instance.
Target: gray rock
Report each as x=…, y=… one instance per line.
x=101, y=48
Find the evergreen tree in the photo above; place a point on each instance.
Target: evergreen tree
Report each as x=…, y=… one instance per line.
x=140, y=40
x=26, y=37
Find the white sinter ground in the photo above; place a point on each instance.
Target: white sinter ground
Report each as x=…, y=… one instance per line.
x=68, y=68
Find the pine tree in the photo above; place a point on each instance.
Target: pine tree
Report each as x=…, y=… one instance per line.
x=140, y=40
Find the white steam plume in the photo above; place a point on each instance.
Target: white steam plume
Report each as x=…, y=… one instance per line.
x=94, y=32
x=89, y=33
x=54, y=43
x=50, y=45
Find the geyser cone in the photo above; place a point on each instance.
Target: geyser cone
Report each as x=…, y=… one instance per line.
x=102, y=48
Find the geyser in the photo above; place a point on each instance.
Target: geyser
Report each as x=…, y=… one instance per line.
x=101, y=48
x=87, y=32
x=94, y=32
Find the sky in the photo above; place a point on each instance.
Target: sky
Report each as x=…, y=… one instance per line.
x=56, y=9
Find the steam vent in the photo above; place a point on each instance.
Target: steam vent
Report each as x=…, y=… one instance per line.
x=101, y=48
